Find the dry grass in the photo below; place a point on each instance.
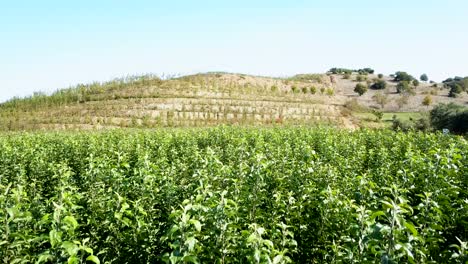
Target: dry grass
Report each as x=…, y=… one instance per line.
x=206, y=100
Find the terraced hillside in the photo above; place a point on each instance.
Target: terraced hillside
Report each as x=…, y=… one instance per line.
x=198, y=100
x=208, y=99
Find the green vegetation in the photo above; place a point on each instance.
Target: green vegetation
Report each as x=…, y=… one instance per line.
x=405, y=116
x=378, y=115
x=361, y=78
x=340, y=71
x=231, y=195
x=368, y=117
x=450, y=116
x=403, y=76
x=330, y=91
x=360, y=89
x=427, y=100
x=82, y=93
x=189, y=101
x=403, y=87
x=308, y=77
x=457, y=85
x=455, y=90
x=424, y=78
x=379, y=85
x=349, y=71
x=313, y=89
x=294, y=89
x=365, y=71
x=410, y=124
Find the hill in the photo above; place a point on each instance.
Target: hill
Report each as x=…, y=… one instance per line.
x=216, y=98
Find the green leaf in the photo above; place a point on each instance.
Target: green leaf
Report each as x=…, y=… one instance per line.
x=70, y=247
x=251, y=238
x=88, y=249
x=190, y=259
x=387, y=204
x=377, y=214
x=73, y=260
x=43, y=258
x=174, y=259
x=93, y=259
x=277, y=259
x=411, y=228
x=70, y=221
x=268, y=243
x=257, y=255
x=55, y=237
x=196, y=223
x=191, y=241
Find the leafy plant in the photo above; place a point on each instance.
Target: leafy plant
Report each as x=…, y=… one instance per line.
x=233, y=195
x=360, y=89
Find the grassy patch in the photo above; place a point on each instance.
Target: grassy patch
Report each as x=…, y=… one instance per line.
x=367, y=119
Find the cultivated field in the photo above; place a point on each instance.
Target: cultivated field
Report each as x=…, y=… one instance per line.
x=216, y=98
x=233, y=195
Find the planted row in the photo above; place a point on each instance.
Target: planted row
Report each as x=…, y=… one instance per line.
x=233, y=195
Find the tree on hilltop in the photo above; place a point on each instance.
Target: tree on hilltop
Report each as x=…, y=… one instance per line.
x=424, y=77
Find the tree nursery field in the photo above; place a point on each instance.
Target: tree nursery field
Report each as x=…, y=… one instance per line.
x=233, y=195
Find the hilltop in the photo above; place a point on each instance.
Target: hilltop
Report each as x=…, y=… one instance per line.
x=220, y=98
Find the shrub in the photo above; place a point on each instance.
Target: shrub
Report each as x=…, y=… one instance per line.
x=455, y=90
x=378, y=114
x=427, y=100
x=448, y=80
x=347, y=76
x=424, y=77
x=421, y=124
x=340, y=71
x=322, y=90
x=450, y=116
x=308, y=77
x=403, y=87
x=361, y=78
x=274, y=88
x=365, y=71
x=380, y=76
x=400, y=125
x=403, y=76
x=304, y=90
x=294, y=89
x=360, y=89
x=345, y=71
x=415, y=83
x=456, y=85
x=330, y=91
x=313, y=89
x=379, y=85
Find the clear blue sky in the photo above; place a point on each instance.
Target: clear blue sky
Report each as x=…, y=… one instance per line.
x=46, y=45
